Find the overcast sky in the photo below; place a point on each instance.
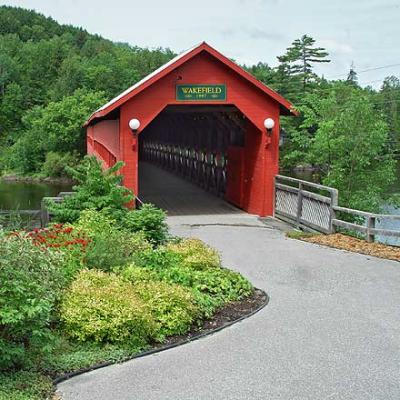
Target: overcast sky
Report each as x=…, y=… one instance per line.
x=365, y=32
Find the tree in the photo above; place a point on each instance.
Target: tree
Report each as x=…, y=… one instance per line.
x=388, y=101
x=349, y=144
x=299, y=59
x=43, y=65
x=55, y=127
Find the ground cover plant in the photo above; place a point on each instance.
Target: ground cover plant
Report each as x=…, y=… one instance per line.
x=102, y=285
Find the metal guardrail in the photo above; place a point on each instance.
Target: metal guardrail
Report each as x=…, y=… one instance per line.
x=315, y=207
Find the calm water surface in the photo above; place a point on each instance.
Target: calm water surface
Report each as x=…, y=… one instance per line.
x=27, y=196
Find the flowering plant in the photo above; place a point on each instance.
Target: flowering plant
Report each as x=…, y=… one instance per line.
x=67, y=239
x=59, y=236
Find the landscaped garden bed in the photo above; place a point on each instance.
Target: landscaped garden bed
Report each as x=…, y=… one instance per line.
x=103, y=284
x=344, y=242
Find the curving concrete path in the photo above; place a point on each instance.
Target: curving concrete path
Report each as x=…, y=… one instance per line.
x=330, y=331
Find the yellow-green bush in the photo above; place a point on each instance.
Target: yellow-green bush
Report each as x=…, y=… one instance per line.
x=195, y=253
x=135, y=274
x=172, y=306
x=103, y=307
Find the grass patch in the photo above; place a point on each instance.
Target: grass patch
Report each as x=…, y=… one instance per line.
x=300, y=234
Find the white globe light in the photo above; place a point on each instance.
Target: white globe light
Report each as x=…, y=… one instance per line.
x=269, y=123
x=134, y=124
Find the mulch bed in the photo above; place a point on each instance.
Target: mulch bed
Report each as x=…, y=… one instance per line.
x=224, y=316
x=340, y=241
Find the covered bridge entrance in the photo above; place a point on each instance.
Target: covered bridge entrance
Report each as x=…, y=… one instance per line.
x=199, y=131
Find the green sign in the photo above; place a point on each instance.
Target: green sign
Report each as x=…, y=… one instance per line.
x=200, y=92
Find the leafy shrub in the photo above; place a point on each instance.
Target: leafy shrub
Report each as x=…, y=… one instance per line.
x=135, y=274
x=158, y=259
x=67, y=239
x=195, y=253
x=94, y=222
x=104, y=308
x=109, y=246
x=212, y=286
x=55, y=163
x=113, y=249
x=30, y=282
x=172, y=306
x=96, y=189
x=148, y=219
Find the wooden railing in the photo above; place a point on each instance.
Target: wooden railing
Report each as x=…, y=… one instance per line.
x=368, y=223
x=305, y=204
x=315, y=207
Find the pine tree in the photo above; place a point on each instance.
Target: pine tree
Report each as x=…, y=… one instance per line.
x=301, y=56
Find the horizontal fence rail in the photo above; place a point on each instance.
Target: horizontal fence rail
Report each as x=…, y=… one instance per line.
x=366, y=223
x=315, y=207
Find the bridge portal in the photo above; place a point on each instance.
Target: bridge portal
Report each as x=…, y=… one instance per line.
x=201, y=119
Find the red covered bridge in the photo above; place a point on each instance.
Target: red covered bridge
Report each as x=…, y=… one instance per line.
x=199, y=116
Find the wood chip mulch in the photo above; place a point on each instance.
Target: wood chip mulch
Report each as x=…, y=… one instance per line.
x=349, y=243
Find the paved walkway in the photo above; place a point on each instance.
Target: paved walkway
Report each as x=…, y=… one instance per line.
x=330, y=331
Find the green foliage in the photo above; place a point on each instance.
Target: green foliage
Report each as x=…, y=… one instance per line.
x=211, y=285
x=196, y=254
x=345, y=136
x=147, y=219
x=46, y=70
x=31, y=280
x=114, y=248
x=109, y=247
x=103, y=308
x=69, y=355
x=56, y=127
x=299, y=57
x=95, y=189
x=24, y=385
x=172, y=306
x=55, y=163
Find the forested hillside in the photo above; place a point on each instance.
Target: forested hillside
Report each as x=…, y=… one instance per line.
x=53, y=76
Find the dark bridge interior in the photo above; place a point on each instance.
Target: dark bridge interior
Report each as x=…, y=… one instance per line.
x=185, y=154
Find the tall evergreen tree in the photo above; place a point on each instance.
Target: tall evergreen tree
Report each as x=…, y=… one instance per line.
x=300, y=57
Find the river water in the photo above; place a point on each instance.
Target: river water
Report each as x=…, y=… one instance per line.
x=27, y=196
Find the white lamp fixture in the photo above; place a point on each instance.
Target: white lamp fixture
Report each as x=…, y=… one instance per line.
x=269, y=123
x=134, y=124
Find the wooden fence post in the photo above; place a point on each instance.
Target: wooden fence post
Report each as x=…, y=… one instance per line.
x=370, y=225
x=299, y=204
x=334, y=203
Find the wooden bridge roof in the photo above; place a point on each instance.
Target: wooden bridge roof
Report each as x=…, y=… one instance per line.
x=285, y=106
